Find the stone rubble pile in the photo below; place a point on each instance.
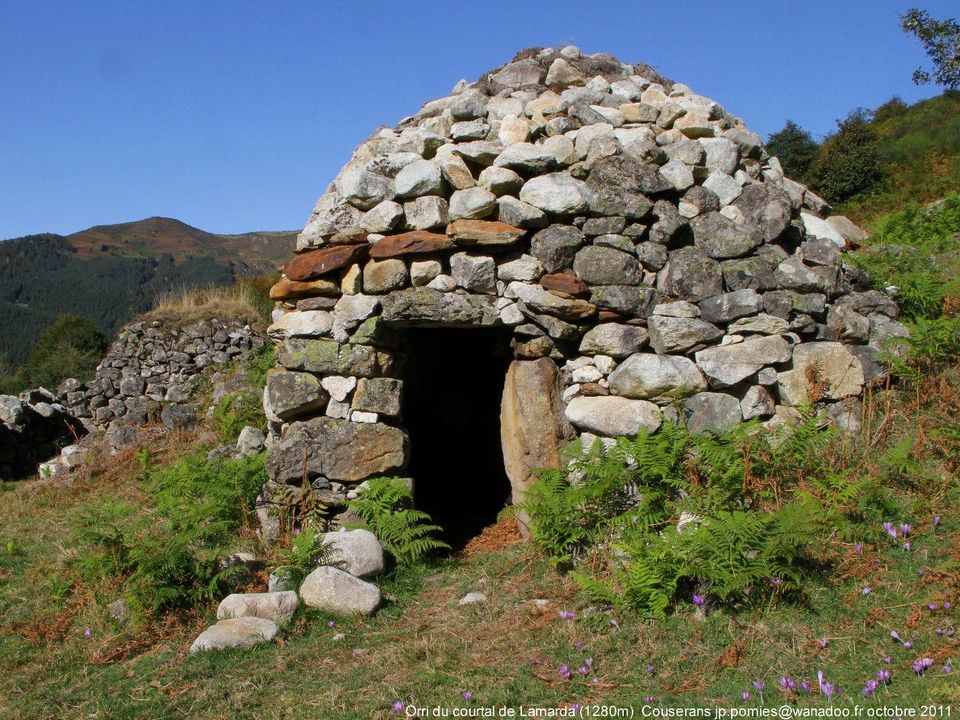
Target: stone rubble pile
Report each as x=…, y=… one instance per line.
x=152, y=370
x=33, y=427
x=646, y=252
x=341, y=588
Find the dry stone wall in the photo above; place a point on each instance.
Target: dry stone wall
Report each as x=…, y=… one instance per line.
x=154, y=368
x=646, y=252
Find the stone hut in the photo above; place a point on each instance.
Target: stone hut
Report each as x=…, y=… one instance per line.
x=570, y=246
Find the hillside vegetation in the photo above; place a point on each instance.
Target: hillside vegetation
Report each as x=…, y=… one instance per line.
x=110, y=274
x=879, y=161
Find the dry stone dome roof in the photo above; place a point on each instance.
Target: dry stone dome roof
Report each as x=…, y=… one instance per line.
x=633, y=234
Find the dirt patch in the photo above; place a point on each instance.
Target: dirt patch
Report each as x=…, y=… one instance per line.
x=503, y=533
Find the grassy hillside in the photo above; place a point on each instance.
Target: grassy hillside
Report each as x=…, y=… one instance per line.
x=110, y=274
x=919, y=151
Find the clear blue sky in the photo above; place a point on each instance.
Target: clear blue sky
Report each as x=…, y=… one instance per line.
x=234, y=116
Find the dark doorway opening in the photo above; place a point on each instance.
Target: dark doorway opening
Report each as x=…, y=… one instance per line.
x=453, y=383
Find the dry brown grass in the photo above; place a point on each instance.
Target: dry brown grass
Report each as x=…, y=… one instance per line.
x=184, y=306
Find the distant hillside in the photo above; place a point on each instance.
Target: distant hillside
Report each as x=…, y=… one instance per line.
x=919, y=150
x=111, y=273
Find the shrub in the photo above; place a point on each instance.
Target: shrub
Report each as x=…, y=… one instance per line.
x=848, y=163
x=795, y=148
x=752, y=509
x=70, y=347
x=307, y=551
x=385, y=507
x=170, y=556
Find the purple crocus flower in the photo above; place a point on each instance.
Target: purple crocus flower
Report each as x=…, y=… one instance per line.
x=908, y=546
x=588, y=662
x=568, y=614
x=828, y=689
x=699, y=600
x=87, y=633
x=534, y=661
x=922, y=665
x=920, y=572
x=397, y=707
x=649, y=699
x=939, y=632
x=565, y=671
x=887, y=660
x=866, y=590
x=948, y=668
x=933, y=607
x=583, y=670
x=905, y=529
x=467, y=695
x=649, y=669
x=883, y=676
x=936, y=520
x=870, y=688
x=578, y=644
x=745, y=696
x=891, y=530
x=947, y=605
x=614, y=623
x=759, y=685
x=908, y=645
x=805, y=686
x=786, y=683
x=823, y=642
x=896, y=636
x=575, y=707
x=858, y=548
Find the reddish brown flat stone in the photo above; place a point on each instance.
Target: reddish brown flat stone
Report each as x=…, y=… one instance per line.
x=316, y=263
x=293, y=289
x=593, y=389
x=488, y=233
x=416, y=242
x=608, y=316
x=564, y=283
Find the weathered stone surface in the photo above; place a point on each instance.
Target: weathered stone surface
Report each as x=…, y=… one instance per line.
x=426, y=213
x=337, y=450
x=484, y=233
x=533, y=428
x=425, y=305
x=418, y=178
x=564, y=283
x=670, y=335
x=520, y=214
x=357, y=552
x=605, y=266
x=820, y=228
x=646, y=375
x=456, y=172
x=309, y=323
x=500, y=181
x=753, y=273
x=276, y=606
x=821, y=371
x=613, y=416
x=543, y=301
x=380, y=276
x=527, y=159
x=756, y=403
x=761, y=324
x=416, y=242
x=382, y=218
x=339, y=387
x=250, y=441
x=241, y=632
x=336, y=591
x=730, y=306
x=526, y=268
x=792, y=274
x=625, y=299
x=712, y=412
x=691, y=275
x=557, y=194
x=329, y=357
x=378, y=395
x=726, y=365
x=619, y=185
x=472, y=203
x=474, y=272
x=316, y=263
x=286, y=290
x=556, y=247
x=613, y=339
x=720, y=238
x=292, y=394
x=363, y=189
x=424, y=271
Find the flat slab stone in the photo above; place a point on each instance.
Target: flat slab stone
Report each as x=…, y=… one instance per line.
x=242, y=632
x=424, y=305
x=276, y=606
x=613, y=416
x=337, y=591
x=316, y=263
x=295, y=289
x=416, y=242
x=484, y=233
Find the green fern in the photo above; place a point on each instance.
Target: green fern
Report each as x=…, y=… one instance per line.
x=406, y=533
